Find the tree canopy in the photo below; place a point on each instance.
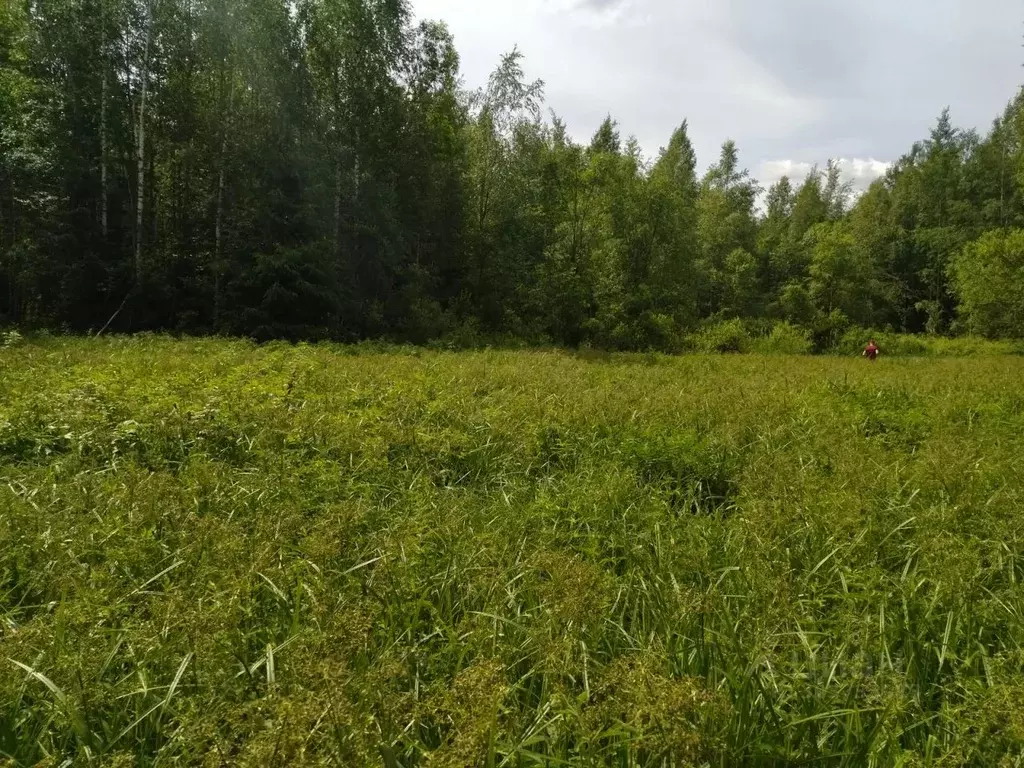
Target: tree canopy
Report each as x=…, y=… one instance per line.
x=314, y=169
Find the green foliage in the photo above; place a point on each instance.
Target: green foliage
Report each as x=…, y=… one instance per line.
x=727, y=233
x=723, y=336
x=795, y=303
x=784, y=339
x=290, y=295
x=314, y=170
x=838, y=276
x=854, y=340
x=213, y=551
x=827, y=330
x=988, y=278
x=741, y=290
x=11, y=338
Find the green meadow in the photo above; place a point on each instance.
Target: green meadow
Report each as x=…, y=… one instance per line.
x=217, y=553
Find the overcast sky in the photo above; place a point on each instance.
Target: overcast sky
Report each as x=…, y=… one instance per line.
x=793, y=82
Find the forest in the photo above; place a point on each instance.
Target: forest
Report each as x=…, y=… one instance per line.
x=316, y=169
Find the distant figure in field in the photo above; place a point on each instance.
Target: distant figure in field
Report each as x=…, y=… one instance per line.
x=871, y=351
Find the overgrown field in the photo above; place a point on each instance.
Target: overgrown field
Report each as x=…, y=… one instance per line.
x=215, y=553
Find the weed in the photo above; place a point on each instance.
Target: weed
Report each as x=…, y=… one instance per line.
x=213, y=552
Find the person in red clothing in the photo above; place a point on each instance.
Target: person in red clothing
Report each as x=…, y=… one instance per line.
x=871, y=351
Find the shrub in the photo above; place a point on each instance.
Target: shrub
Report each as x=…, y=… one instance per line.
x=907, y=345
x=11, y=339
x=828, y=330
x=784, y=339
x=725, y=336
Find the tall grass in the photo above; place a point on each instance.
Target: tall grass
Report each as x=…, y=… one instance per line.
x=216, y=553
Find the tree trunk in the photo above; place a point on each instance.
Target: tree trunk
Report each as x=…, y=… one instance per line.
x=337, y=207
x=1002, y=184
x=103, y=156
x=7, y=239
x=140, y=195
x=219, y=222
x=353, y=247
x=355, y=173
x=103, y=124
x=216, y=243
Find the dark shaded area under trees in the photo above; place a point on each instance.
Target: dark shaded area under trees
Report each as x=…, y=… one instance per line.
x=313, y=170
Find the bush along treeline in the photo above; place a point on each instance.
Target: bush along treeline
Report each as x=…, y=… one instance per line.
x=314, y=170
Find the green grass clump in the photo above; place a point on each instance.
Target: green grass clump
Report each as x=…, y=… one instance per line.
x=218, y=553
x=784, y=339
x=727, y=336
x=911, y=345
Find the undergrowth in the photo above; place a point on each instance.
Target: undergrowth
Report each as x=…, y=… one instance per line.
x=223, y=554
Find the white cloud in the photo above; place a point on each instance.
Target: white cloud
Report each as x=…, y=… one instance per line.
x=864, y=172
x=773, y=170
x=861, y=171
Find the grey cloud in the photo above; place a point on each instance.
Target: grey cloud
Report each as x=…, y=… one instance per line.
x=801, y=42
x=600, y=5
x=796, y=81
x=881, y=71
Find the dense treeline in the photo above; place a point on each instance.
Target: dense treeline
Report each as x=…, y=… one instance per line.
x=312, y=169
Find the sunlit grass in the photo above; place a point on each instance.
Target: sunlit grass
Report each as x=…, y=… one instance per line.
x=215, y=553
